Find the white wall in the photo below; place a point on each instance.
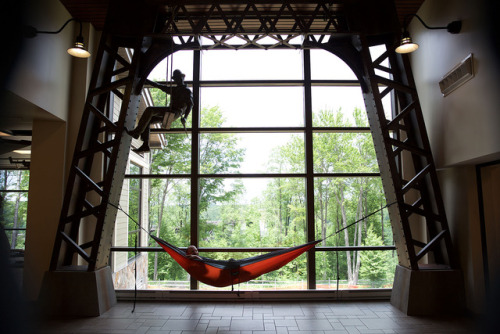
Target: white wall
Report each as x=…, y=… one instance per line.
x=463, y=126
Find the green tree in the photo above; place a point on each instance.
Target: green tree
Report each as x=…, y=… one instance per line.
x=374, y=264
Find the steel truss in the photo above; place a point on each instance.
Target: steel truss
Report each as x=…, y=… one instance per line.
x=258, y=24
x=413, y=182
x=101, y=153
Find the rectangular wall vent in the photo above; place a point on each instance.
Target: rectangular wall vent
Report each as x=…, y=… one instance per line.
x=455, y=78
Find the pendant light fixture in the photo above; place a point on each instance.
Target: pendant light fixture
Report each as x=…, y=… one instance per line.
x=78, y=50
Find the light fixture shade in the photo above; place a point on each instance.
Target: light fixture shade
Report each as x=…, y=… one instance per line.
x=406, y=45
x=79, y=49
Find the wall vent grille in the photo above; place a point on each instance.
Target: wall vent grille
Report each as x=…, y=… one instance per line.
x=455, y=78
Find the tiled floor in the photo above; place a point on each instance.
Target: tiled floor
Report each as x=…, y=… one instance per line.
x=254, y=318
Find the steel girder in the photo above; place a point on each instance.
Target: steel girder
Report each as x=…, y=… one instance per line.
x=102, y=149
x=99, y=161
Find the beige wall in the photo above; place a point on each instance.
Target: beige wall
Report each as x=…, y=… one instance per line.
x=41, y=75
x=463, y=126
x=45, y=199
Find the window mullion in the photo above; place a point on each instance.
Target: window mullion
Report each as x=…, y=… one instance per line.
x=195, y=156
x=311, y=256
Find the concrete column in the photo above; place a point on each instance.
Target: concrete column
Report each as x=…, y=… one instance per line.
x=45, y=199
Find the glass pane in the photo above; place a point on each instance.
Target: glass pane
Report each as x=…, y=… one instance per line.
x=252, y=212
x=327, y=66
x=16, y=238
x=251, y=64
x=343, y=202
x=125, y=277
x=239, y=40
x=181, y=60
x=375, y=53
x=170, y=210
x=251, y=153
x=14, y=179
x=13, y=217
x=344, y=153
x=174, y=157
x=169, y=219
x=346, y=102
x=292, y=276
x=164, y=273
x=252, y=106
x=387, y=105
x=376, y=270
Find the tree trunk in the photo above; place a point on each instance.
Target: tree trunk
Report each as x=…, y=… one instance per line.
x=359, y=215
x=323, y=203
x=340, y=199
x=160, y=218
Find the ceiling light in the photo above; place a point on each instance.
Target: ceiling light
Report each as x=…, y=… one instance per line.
x=406, y=44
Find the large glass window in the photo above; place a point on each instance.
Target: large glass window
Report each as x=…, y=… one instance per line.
x=259, y=167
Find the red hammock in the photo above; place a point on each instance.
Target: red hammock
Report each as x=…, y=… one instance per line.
x=225, y=273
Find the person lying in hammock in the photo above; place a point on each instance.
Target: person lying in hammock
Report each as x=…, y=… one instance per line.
x=192, y=253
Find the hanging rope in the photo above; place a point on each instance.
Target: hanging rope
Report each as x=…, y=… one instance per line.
x=359, y=220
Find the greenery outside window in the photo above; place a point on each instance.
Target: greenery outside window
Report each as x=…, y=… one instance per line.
x=14, y=205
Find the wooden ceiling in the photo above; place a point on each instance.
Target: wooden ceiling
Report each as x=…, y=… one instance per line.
x=94, y=11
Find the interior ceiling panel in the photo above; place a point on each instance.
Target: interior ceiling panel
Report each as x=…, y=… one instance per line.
x=94, y=11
